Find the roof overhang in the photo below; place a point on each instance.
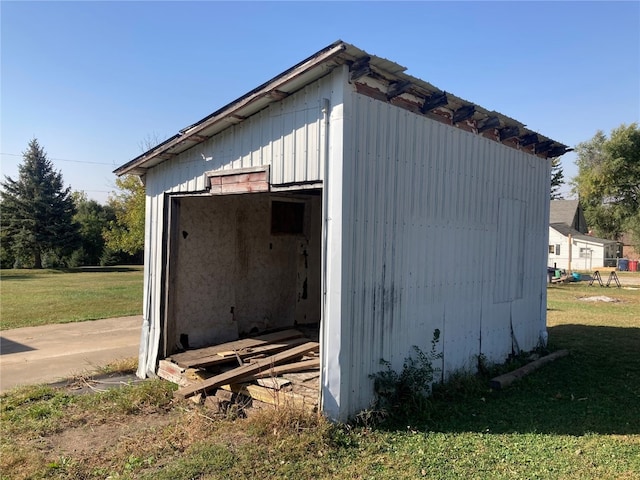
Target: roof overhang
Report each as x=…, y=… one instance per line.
x=565, y=231
x=373, y=76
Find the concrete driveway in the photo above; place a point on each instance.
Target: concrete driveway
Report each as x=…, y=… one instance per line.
x=50, y=353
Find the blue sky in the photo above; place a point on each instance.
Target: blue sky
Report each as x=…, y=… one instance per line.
x=94, y=80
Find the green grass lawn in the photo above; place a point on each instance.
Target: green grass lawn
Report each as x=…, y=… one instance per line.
x=39, y=297
x=575, y=418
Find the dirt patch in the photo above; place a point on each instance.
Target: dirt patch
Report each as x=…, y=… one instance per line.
x=600, y=298
x=90, y=440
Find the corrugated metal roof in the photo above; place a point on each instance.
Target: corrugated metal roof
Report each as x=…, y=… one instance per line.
x=317, y=66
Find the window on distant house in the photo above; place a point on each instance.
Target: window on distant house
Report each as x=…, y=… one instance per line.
x=552, y=249
x=585, y=253
x=557, y=249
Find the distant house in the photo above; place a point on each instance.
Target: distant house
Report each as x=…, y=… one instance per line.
x=568, y=213
x=628, y=249
x=348, y=195
x=569, y=240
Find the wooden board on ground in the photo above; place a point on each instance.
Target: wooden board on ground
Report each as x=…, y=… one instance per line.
x=507, y=379
x=235, y=345
x=244, y=371
x=301, y=377
x=274, y=383
x=287, y=368
x=172, y=372
x=272, y=397
x=217, y=359
x=305, y=390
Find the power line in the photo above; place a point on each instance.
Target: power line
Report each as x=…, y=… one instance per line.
x=63, y=159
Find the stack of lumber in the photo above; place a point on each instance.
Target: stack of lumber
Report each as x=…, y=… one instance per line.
x=274, y=368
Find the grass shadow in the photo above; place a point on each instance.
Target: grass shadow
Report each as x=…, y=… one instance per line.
x=14, y=276
x=596, y=389
x=128, y=268
x=29, y=274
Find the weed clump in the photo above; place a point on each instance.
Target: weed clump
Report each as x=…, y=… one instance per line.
x=406, y=393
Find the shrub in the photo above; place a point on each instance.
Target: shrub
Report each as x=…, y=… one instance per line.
x=409, y=389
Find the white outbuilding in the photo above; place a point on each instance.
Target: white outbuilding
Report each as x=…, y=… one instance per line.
x=347, y=194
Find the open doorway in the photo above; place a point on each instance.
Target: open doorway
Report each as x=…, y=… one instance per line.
x=242, y=266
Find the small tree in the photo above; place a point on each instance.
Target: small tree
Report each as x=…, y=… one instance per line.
x=126, y=232
x=92, y=219
x=37, y=210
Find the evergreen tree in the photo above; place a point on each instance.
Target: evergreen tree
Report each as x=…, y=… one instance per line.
x=37, y=210
x=557, y=178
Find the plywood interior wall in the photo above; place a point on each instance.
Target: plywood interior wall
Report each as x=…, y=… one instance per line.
x=230, y=275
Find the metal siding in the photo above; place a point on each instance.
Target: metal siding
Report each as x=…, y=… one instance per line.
x=288, y=146
x=420, y=230
x=152, y=291
x=146, y=336
x=285, y=136
x=334, y=331
x=509, y=251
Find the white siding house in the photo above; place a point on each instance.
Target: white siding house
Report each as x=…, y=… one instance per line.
x=346, y=193
x=570, y=245
x=587, y=253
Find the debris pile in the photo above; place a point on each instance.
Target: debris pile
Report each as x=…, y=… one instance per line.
x=276, y=368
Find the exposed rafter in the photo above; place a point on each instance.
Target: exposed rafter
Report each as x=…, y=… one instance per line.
x=463, y=113
x=542, y=147
x=528, y=139
x=360, y=68
x=398, y=88
x=509, y=132
x=438, y=99
x=558, y=150
x=425, y=99
x=488, y=123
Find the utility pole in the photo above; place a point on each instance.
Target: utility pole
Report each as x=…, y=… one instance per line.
x=569, y=262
